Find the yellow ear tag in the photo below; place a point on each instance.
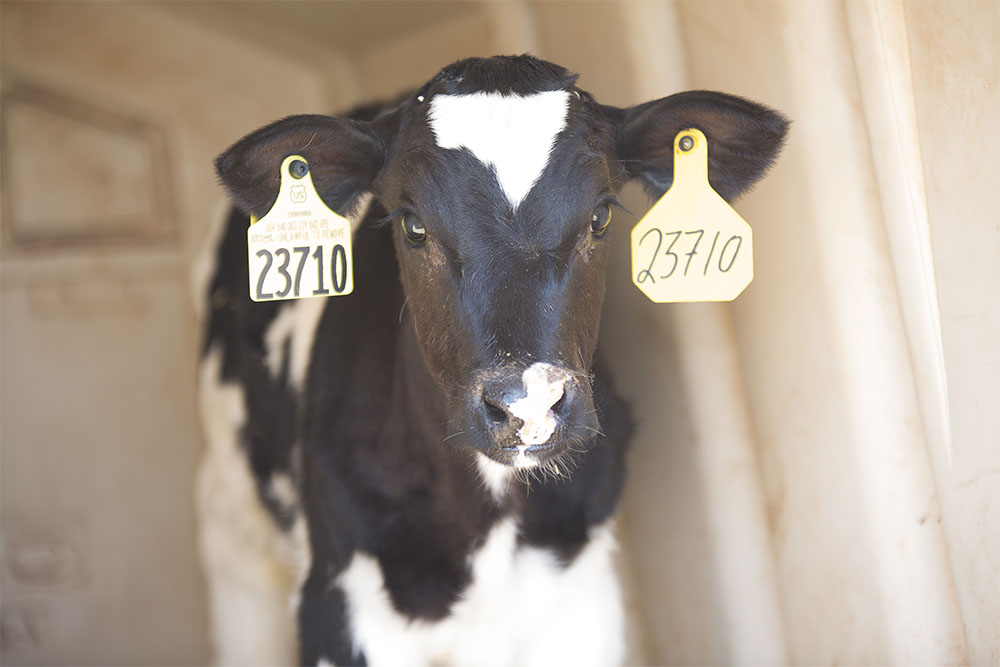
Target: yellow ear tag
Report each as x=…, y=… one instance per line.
x=300, y=248
x=691, y=246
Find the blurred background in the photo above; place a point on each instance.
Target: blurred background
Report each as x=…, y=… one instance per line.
x=816, y=477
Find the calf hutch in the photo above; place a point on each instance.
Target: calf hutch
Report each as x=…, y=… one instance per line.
x=442, y=402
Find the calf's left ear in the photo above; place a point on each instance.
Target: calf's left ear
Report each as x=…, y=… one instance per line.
x=344, y=157
x=743, y=139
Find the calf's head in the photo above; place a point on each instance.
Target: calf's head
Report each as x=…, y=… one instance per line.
x=499, y=177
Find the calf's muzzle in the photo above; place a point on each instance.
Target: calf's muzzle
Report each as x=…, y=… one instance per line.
x=526, y=415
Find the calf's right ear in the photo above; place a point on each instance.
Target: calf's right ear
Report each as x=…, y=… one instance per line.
x=344, y=157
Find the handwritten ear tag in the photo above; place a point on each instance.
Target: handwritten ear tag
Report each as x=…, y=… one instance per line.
x=691, y=246
x=300, y=248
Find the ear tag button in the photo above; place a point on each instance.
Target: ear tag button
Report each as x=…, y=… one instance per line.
x=300, y=248
x=691, y=245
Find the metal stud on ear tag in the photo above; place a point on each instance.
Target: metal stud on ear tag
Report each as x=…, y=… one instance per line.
x=691, y=246
x=300, y=248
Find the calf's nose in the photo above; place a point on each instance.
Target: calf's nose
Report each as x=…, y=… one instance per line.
x=525, y=408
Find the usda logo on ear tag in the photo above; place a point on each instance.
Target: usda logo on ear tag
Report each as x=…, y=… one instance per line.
x=691, y=246
x=300, y=248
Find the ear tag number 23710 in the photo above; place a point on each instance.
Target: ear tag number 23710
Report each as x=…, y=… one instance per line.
x=691, y=246
x=300, y=248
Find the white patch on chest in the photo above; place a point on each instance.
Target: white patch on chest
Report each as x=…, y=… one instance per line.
x=522, y=608
x=514, y=134
x=496, y=476
x=543, y=386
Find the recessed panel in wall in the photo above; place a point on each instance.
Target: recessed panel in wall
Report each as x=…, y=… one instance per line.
x=75, y=173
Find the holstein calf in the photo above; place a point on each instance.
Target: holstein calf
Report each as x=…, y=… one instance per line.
x=440, y=453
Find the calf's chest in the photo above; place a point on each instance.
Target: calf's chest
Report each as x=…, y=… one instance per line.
x=522, y=607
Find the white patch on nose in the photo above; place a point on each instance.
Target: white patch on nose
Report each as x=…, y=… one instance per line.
x=514, y=134
x=543, y=386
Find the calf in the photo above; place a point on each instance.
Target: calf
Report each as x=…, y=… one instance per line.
x=441, y=452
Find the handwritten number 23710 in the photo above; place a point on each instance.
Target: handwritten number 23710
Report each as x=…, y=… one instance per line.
x=726, y=257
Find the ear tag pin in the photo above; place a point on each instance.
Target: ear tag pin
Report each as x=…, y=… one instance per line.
x=691, y=245
x=300, y=248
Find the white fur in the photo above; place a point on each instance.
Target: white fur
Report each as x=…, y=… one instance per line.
x=522, y=460
x=281, y=490
x=514, y=134
x=296, y=322
x=543, y=386
x=241, y=548
x=253, y=570
x=249, y=564
x=521, y=608
x=299, y=555
x=357, y=216
x=496, y=476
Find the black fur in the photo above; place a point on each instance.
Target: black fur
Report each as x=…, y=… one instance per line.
x=384, y=439
x=350, y=155
x=520, y=76
x=744, y=138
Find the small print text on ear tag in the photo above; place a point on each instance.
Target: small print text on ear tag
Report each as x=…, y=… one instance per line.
x=691, y=246
x=300, y=248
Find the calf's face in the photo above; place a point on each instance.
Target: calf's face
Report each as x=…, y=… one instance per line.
x=502, y=198
x=499, y=177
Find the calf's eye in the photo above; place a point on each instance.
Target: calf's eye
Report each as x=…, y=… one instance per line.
x=600, y=219
x=413, y=229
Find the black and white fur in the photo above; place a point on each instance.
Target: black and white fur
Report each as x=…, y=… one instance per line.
x=427, y=470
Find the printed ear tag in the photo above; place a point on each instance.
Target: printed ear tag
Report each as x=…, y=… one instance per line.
x=691, y=246
x=300, y=248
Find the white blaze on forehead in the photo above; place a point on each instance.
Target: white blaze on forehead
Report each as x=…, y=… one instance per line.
x=543, y=386
x=512, y=133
